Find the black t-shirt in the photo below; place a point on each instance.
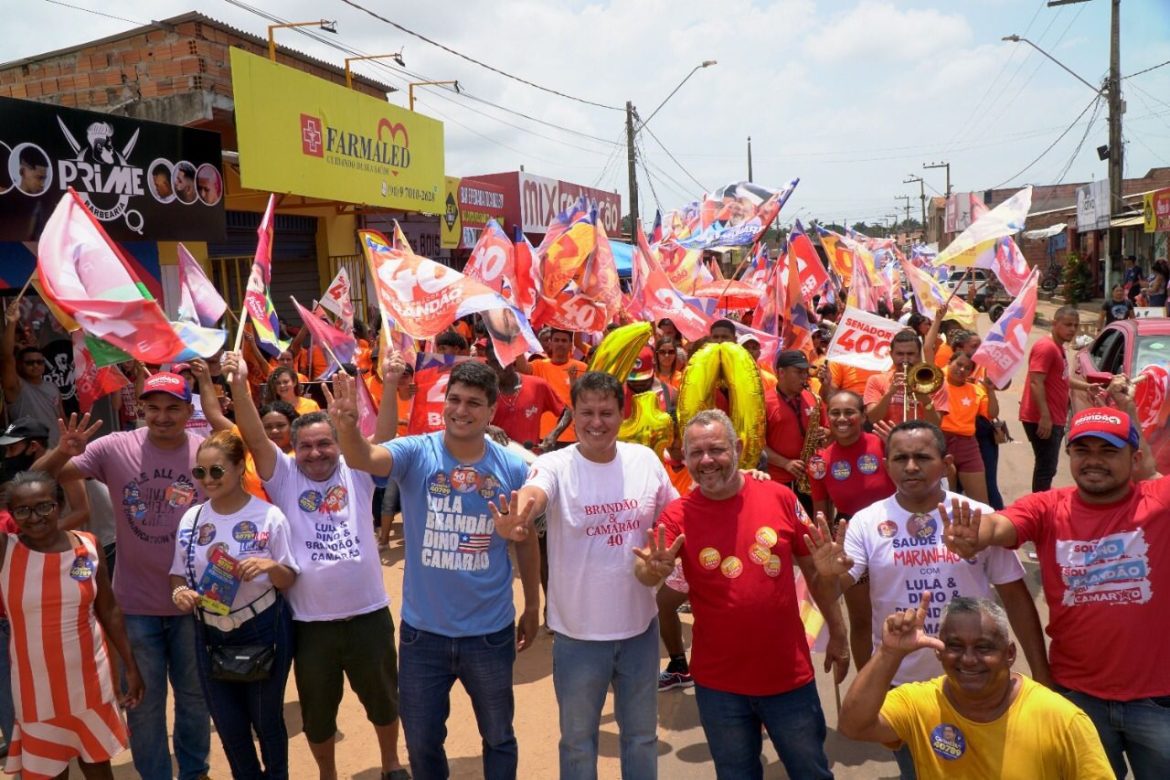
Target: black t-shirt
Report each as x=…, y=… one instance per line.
x=1115, y=310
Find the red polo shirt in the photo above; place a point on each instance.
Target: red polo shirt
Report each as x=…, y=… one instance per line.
x=785, y=431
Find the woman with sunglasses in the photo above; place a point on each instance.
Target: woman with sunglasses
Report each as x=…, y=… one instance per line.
x=283, y=385
x=232, y=559
x=57, y=593
x=666, y=362
x=845, y=477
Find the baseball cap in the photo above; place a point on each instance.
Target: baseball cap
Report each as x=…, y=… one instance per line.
x=1112, y=425
x=745, y=338
x=166, y=382
x=23, y=428
x=791, y=358
x=644, y=366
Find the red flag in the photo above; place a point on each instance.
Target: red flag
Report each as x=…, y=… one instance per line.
x=367, y=409
x=1005, y=348
x=90, y=381
x=342, y=346
x=812, y=272
x=257, y=298
x=797, y=327
x=493, y=261
x=660, y=300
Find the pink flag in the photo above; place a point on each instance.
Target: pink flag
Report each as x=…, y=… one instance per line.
x=332, y=340
x=1005, y=347
x=338, y=299
x=493, y=261
x=199, y=301
x=258, y=298
x=1010, y=266
x=367, y=410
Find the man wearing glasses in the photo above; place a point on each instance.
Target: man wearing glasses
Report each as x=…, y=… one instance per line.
x=22, y=376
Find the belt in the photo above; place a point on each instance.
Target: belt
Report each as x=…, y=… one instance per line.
x=239, y=617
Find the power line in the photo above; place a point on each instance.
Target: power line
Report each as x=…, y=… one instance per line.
x=474, y=61
x=97, y=13
x=681, y=167
x=1049, y=148
x=1147, y=70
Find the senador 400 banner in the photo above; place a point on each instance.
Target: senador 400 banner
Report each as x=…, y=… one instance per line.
x=144, y=181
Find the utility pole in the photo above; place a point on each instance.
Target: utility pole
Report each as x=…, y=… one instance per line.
x=631, y=159
x=1116, y=149
x=921, y=197
x=907, y=204
x=946, y=165
x=750, y=159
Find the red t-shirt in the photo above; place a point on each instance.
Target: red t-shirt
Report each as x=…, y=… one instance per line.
x=784, y=432
x=1107, y=582
x=748, y=638
x=1047, y=357
x=519, y=414
x=851, y=477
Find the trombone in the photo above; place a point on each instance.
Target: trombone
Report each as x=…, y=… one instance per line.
x=925, y=378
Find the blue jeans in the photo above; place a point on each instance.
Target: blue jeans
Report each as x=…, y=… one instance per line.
x=7, y=708
x=428, y=666
x=582, y=673
x=794, y=720
x=239, y=709
x=905, y=763
x=1138, y=730
x=164, y=647
x=989, y=453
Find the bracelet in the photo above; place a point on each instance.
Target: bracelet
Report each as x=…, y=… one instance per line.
x=177, y=591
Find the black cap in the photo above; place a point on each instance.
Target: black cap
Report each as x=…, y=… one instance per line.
x=24, y=428
x=791, y=358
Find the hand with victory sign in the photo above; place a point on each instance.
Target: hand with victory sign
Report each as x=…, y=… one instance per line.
x=904, y=631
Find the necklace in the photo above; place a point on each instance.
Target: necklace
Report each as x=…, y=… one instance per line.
x=508, y=397
x=760, y=553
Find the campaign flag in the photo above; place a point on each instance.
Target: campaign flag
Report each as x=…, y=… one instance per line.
x=683, y=267
x=90, y=380
x=772, y=307
x=1005, y=347
x=756, y=274
x=422, y=298
x=738, y=214
x=841, y=256
x=1004, y=220
x=863, y=340
x=861, y=293
x=561, y=223
x=730, y=294
x=338, y=299
x=432, y=372
x=1010, y=266
x=340, y=346
x=527, y=267
x=1152, y=386
x=930, y=296
x=257, y=298
x=367, y=409
x=811, y=270
x=658, y=297
x=563, y=260
x=85, y=275
x=797, y=325
x=656, y=228
x=199, y=301
x=493, y=261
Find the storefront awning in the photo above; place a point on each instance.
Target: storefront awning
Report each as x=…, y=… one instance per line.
x=1122, y=222
x=1047, y=232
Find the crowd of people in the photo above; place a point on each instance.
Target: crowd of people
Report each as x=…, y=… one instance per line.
x=248, y=520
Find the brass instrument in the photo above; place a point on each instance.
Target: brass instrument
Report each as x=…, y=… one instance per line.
x=809, y=448
x=921, y=378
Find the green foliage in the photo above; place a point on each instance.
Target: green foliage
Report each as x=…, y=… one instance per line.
x=1078, y=280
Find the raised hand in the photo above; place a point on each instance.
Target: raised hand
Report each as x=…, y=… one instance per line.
x=828, y=553
x=882, y=429
x=200, y=370
x=393, y=366
x=658, y=557
x=961, y=528
x=904, y=631
x=513, y=522
x=76, y=434
x=235, y=368
x=342, y=403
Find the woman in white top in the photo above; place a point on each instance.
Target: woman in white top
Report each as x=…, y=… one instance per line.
x=232, y=560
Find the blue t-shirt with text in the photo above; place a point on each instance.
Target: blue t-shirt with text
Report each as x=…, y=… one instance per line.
x=458, y=578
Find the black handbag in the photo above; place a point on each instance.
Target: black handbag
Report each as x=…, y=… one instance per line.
x=232, y=663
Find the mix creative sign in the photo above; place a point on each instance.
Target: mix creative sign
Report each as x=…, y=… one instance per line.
x=304, y=135
x=144, y=181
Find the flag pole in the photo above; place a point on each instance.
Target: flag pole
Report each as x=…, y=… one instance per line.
x=240, y=327
x=29, y=282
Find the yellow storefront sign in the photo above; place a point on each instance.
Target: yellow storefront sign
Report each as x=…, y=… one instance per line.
x=303, y=135
x=451, y=220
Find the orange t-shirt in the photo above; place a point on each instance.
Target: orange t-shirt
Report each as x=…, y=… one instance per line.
x=879, y=384
x=964, y=402
x=850, y=377
x=320, y=362
x=942, y=355
x=557, y=377
x=404, y=407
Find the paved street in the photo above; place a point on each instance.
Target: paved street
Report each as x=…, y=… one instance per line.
x=682, y=746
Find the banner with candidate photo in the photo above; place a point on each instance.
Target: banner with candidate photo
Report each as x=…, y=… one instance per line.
x=144, y=181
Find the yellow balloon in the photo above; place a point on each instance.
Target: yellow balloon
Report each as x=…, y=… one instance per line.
x=616, y=353
x=727, y=366
x=648, y=424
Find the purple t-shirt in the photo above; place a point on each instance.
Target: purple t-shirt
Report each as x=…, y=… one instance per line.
x=150, y=489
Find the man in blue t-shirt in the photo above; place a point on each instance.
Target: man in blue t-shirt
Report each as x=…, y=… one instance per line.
x=458, y=616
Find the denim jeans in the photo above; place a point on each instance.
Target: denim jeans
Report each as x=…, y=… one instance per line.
x=7, y=708
x=989, y=453
x=905, y=763
x=164, y=647
x=583, y=671
x=1046, y=453
x=1138, y=730
x=794, y=720
x=239, y=709
x=428, y=666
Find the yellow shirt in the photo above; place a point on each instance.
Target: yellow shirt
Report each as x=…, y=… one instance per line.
x=305, y=405
x=1042, y=736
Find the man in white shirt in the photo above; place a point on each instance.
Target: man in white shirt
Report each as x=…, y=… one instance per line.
x=601, y=498
x=898, y=542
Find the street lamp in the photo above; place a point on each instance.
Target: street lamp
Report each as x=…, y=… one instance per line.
x=631, y=155
x=396, y=56
x=324, y=24
x=1020, y=39
x=413, y=84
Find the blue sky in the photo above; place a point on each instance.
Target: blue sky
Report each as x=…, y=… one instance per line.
x=852, y=97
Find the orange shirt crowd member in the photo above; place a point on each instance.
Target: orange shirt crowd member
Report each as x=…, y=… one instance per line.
x=849, y=377
x=966, y=400
x=884, y=394
x=560, y=371
x=666, y=362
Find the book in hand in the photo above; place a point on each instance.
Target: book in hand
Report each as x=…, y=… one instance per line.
x=219, y=583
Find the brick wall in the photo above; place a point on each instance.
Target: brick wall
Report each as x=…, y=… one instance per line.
x=147, y=64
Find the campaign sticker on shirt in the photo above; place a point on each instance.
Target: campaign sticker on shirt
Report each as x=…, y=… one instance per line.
x=921, y=526
x=759, y=554
x=180, y=494
x=464, y=479
x=336, y=499
x=841, y=469
x=948, y=741
x=439, y=484
x=489, y=487
x=766, y=536
x=817, y=467
x=244, y=531
x=310, y=500
x=887, y=529
x=206, y=534
x=82, y=568
x=709, y=558
x=772, y=567
x=731, y=567
x=867, y=463
x=220, y=546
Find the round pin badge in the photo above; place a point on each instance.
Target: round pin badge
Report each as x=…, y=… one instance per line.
x=867, y=464
x=82, y=568
x=772, y=567
x=817, y=467
x=841, y=470
x=947, y=741
x=766, y=536
x=709, y=558
x=887, y=528
x=921, y=526
x=759, y=554
x=731, y=567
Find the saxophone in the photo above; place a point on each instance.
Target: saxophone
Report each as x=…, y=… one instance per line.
x=809, y=448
